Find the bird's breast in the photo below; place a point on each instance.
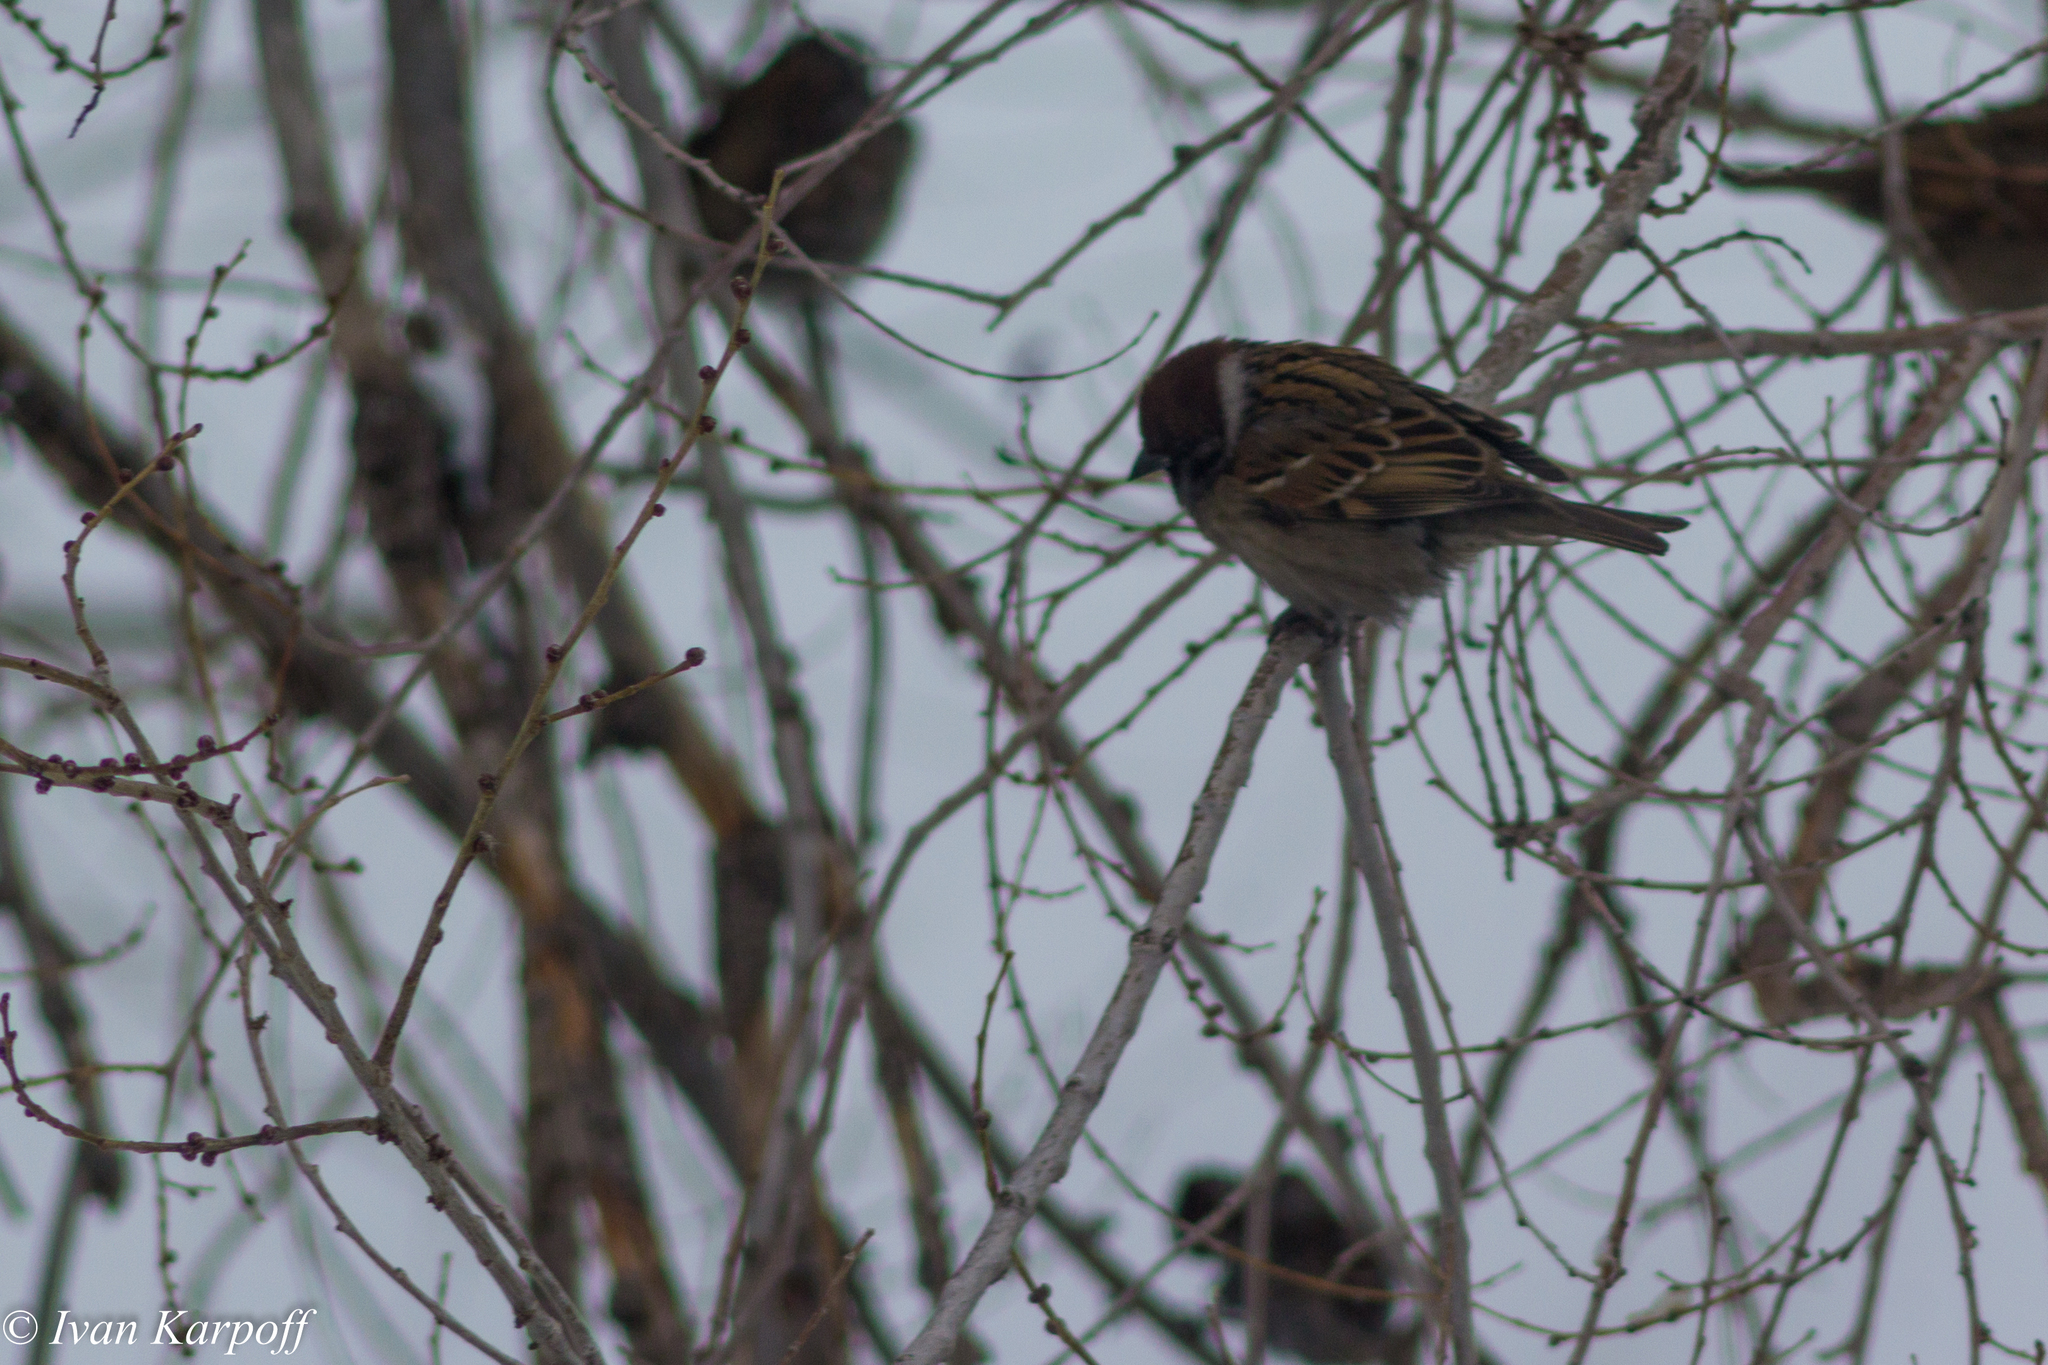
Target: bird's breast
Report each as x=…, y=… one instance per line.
x=1333, y=570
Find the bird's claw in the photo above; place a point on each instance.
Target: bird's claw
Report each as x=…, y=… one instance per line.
x=1294, y=620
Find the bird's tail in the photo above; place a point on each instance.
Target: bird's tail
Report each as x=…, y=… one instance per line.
x=1611, y=526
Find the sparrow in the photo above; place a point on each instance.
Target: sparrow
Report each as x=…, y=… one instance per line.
x=808, y=98
x=1309, y=1239
x=1978, y=189
x=1347, y=487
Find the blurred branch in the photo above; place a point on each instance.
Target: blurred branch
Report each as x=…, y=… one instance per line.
x=578, y=1141
x=166, y=163
x=802, y=867
x=87, y=452
x=53, y=957
x=94, y=1171
x=2008, y=1066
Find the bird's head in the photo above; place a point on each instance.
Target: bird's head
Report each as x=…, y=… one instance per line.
x=1188, y=413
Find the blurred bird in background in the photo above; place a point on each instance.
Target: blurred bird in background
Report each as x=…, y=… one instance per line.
x=1977, y=190
x=1308, y=1242
x=809, y=97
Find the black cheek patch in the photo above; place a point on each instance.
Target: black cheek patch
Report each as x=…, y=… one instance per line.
x=1194, y=469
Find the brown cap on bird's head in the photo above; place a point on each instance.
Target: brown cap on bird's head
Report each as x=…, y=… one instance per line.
x=1181, y=411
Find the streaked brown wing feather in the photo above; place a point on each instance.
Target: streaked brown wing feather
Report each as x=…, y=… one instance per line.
x=1505, y=438
x=1342, y=435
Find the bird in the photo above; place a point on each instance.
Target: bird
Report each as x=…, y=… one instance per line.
x=1309, y=1240
x=807, y=98
x=1978, y=191
x=1350, y=489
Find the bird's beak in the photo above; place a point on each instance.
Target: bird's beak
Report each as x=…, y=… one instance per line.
x=1148, y=463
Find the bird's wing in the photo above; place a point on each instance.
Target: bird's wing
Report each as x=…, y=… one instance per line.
x=1341, y=435
x=1503, y=438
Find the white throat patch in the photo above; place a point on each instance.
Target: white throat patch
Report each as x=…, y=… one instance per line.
x=1230, y=390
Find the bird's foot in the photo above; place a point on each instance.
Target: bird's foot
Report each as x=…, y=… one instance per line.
x=1294, y=619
